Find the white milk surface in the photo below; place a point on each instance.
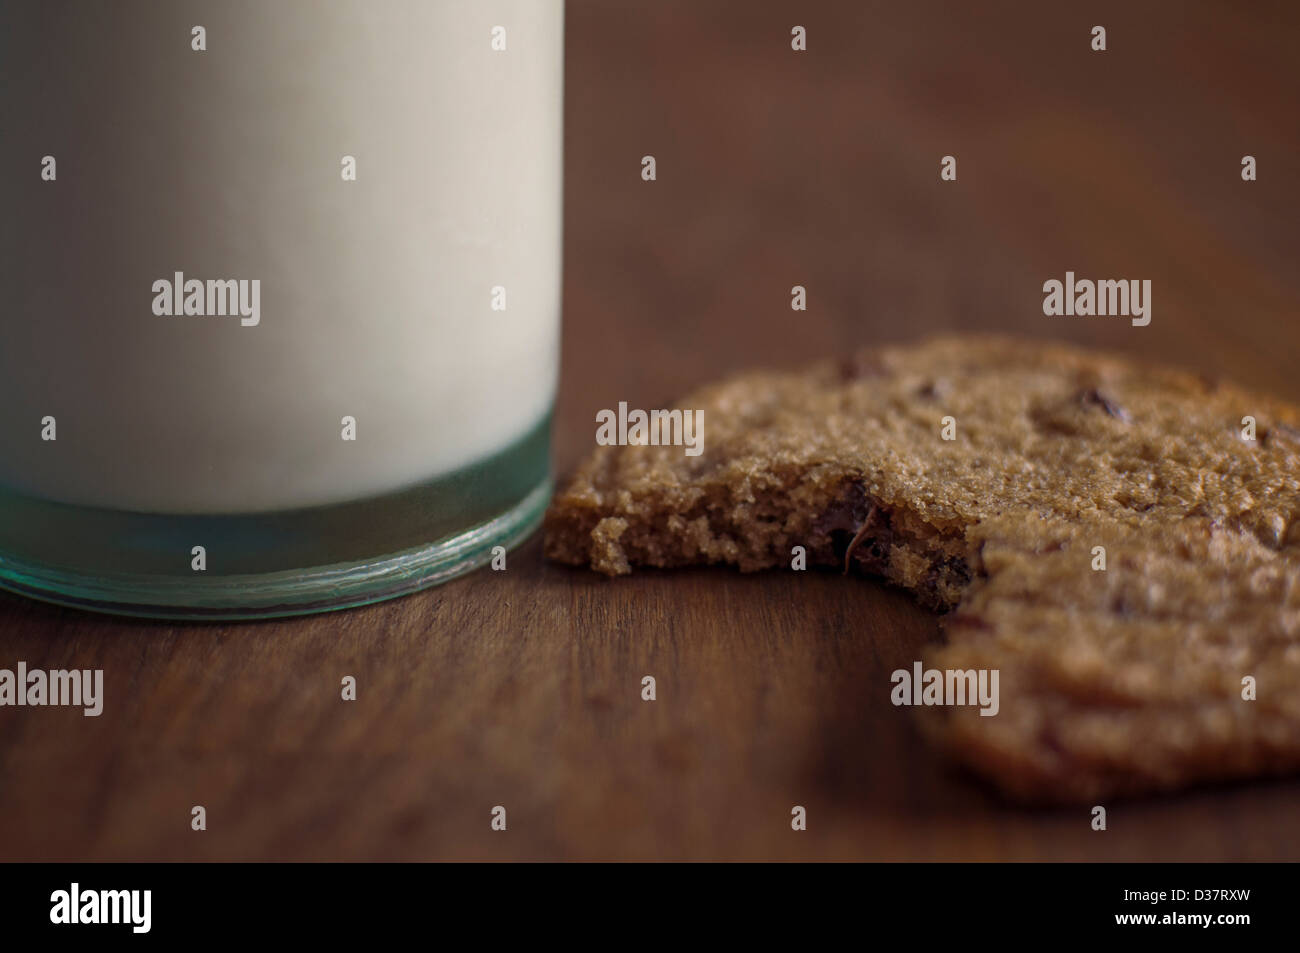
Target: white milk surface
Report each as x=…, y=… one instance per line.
x=375, y=295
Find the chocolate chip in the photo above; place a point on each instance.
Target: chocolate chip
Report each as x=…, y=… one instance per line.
x=861, y=366
x=846, y=513
x=1095, y=398
x=967, y=620
x=1285, y=431
x=932, y=389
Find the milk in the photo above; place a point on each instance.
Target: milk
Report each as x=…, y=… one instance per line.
x=418, y=300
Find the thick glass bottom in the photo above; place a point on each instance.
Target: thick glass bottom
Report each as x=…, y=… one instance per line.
x=264, y=565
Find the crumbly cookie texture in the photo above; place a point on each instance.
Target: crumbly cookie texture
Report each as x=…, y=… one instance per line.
x=1119, y=681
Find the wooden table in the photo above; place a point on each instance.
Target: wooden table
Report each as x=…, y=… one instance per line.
x=774, y=168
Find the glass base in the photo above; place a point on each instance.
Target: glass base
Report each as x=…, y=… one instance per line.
x=265, y=565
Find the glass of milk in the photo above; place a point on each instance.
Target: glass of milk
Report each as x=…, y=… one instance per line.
x=282, y=296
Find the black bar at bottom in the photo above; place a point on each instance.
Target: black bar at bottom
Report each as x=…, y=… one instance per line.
x=327, y=903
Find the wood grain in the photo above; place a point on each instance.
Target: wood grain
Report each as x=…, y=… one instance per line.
x=523, y=688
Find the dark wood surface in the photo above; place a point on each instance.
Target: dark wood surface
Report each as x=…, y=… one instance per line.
x=522, y=688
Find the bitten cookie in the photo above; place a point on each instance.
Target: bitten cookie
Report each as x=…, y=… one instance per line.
x=1121, y=681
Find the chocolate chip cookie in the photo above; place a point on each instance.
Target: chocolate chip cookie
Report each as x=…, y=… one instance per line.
x=986, y=475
